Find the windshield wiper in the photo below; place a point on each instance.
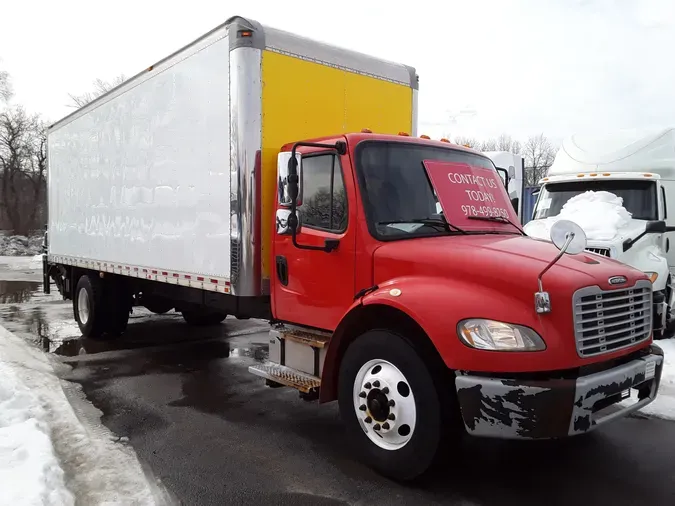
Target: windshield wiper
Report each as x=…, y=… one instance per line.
x=427, y=221
x=498, y=219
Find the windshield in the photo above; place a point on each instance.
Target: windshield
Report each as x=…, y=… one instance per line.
x=639, y=197
x=398, y=198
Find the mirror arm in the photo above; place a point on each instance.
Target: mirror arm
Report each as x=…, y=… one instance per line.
x=553, y=262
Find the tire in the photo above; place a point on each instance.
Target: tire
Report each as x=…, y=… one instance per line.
x=101, y=309
x=669, y=329
x=399, y=453
x=203, y=319
x=88, y=306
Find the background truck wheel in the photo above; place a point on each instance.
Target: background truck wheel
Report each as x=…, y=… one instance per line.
x=200, y=318
x=390, y=405
x=669, y=330
x=88, y=306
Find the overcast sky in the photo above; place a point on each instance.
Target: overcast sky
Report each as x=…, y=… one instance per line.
x=486, y=67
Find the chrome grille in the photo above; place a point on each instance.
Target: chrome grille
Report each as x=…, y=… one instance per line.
x=606, y=321
x=599, y=251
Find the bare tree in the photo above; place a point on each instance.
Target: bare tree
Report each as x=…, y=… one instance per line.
x=101, y=87
x=506, y=143
x=469, y=142
x=489, y=145
x=539, y=154
x=6, y=91
x=23, y=168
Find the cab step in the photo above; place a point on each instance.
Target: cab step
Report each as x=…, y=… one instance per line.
x=283, y=375
x=314, y=339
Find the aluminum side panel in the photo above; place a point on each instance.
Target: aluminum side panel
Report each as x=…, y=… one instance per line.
x=143, y=177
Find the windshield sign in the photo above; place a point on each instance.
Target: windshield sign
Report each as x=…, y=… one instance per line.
x=465, y=190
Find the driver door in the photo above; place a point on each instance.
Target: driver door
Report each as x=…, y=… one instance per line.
x=313, y=287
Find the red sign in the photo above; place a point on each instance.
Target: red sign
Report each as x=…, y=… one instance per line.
x=464, y=190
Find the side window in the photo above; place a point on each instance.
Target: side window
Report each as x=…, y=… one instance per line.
x=324, y=201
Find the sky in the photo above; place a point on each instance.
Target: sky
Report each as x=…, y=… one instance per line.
x=486, y=67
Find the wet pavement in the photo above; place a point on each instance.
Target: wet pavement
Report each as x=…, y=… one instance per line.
x=215, y=434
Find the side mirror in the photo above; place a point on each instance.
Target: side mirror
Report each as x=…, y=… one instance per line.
x=568, y=237
x=514, y=203
x=285, y=187
x=512, y=172
x=656, y=227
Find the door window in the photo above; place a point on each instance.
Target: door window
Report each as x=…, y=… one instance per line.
x=324, y=200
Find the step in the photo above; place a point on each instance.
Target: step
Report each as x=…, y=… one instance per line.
x=286, y=376
x=313, y=339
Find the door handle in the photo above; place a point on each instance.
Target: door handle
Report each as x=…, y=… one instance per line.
x=282, y=269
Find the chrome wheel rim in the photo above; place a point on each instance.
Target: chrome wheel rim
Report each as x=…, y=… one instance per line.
x=83, y=310
x=384, y=404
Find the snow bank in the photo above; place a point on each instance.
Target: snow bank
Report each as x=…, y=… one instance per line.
x=600, y=214
x=19, y=245
x=29, y=468
x=664, y=404
x=48, y=454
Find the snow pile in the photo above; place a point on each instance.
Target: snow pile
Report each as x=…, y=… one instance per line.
x=664, y=404
x=19, y=245
x=48, y=454
x=600, y=214
x=29, y=468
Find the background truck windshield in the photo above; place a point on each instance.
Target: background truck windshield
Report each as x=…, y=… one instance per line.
x=395, y=186
x=639, y=197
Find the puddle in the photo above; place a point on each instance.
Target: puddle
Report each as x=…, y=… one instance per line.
x=16, y=292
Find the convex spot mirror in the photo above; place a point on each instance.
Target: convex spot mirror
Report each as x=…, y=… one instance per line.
x=567, y=232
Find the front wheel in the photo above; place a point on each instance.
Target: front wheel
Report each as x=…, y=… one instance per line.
x=390, y=405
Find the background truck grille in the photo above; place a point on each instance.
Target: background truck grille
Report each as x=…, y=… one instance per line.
x=599, y=251
x=606, y=321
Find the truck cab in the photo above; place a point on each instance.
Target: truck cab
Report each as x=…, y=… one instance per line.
x=423, y=322
x=639, y=168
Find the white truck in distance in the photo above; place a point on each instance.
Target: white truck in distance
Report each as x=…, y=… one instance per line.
x=511, y=168
x=637, y=167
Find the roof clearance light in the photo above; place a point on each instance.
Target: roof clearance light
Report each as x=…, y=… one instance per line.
x=580, y=175
x=606, y=174
x=648, y=175
x=245, y=33
x=444, y=140
x=545, y=179
x=593, y=174
x=366, y=131
x=404, y=134
x=424, y=137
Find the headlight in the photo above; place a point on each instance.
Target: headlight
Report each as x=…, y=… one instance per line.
x=498, y=336
x=652, y=276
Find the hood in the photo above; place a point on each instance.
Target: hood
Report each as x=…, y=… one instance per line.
x=505, y=263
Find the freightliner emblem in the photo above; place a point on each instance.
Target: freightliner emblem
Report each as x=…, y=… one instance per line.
x=617, y=280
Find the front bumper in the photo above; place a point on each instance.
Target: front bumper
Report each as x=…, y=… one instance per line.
x=554, y=408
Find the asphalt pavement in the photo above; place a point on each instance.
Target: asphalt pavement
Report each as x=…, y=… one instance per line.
x=215, y=434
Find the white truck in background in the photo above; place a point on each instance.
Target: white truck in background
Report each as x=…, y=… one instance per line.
x=511, y=168
x=638, y=167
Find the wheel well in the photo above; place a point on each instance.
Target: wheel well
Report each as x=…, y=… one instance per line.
x=372, y=317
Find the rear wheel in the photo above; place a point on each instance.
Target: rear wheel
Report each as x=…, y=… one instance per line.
x=199, y=318
x=101, y=308
x=390, y=405
x=88, y=306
